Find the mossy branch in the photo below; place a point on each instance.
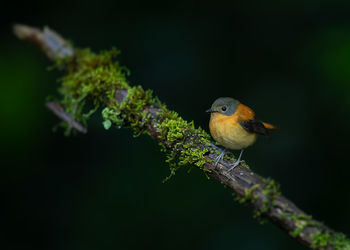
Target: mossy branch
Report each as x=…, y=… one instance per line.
x=99, y=80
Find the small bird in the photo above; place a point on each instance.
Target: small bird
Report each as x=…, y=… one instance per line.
x=234, y=126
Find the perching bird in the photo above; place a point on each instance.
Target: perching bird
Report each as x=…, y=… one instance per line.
x=234, y=126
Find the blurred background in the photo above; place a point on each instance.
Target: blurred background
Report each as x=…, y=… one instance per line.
x=288, y=61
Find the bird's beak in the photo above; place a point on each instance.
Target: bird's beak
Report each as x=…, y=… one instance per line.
x=209, y=111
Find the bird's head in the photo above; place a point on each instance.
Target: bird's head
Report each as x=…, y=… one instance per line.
x=224, y=105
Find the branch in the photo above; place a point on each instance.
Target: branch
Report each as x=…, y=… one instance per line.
x=99, y=79
x=58, y=110
x=51, y=43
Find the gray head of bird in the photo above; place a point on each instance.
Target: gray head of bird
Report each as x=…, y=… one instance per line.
x=224, y=105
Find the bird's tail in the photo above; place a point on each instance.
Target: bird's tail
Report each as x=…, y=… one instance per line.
x=269, y=126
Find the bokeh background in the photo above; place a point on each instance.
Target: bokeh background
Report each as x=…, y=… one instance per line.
x=288, y=61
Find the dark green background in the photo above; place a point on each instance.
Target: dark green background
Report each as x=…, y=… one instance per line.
x=288, y=61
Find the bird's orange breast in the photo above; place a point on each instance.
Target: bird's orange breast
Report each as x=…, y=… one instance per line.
x=228, y=132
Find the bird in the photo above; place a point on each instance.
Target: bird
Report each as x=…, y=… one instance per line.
x=234, y=126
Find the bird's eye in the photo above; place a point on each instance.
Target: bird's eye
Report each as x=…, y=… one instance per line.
x=224, y=108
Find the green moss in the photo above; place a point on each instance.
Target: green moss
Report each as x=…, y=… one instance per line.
x=172, y=128
x=301, y=221
x=320, y=240
x=94, y=78
x=271, y=190
x=336, y=240
x=130, y=112
x=110, y=117
x=249, y=195
x=107, y=124
x=90, y=78
x=180, y=140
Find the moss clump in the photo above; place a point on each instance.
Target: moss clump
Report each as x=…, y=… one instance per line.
x=180, y=140
x=110, y=117
x=130, y=112
x=249, y=195
x=336, y=240
x=95, y=78
x=302, y=221
x=271, y=190
x=320, y=240
x=90, y=78
x=323, y=237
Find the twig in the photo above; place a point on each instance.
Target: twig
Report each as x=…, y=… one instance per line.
x=58, y=110
x=52, y=44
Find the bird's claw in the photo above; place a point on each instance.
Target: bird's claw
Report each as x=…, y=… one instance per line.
x=235, y=165
x=217, y=161
x=219, y=158
x=237, y=162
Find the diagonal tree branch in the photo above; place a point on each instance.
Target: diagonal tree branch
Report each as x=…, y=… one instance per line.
x=187, y=144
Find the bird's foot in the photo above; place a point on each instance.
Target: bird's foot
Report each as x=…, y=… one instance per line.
x=235, y=165
x=220, y=157
x=237, y=162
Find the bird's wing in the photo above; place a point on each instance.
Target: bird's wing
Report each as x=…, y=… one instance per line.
x=246, y=118
x=254, y=126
